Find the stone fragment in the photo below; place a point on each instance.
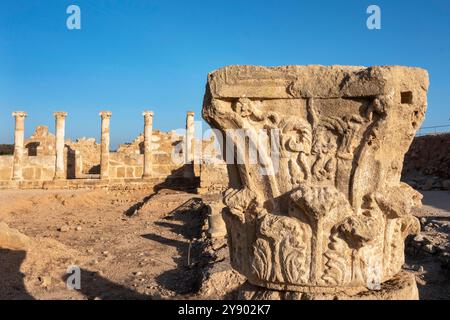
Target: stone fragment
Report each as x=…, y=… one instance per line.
x=321, y=207
x=12, y=239
x=429, y=248
x=216, y=225
x=63, y=229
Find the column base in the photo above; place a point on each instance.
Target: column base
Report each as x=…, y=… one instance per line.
x=216, y=224
x=401, y=287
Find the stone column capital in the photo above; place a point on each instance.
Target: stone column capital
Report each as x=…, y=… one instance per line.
x=336, y=224
x=190, y=113
x=147, y=113
x=19, y=114
x=105, y=114
x=60, y=114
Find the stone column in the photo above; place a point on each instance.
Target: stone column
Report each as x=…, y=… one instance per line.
x=148, y=128
x=216, y=224
x=104, y=148
x=19, y=137
x=60, y=129
x=190, y=140
x=329, y=214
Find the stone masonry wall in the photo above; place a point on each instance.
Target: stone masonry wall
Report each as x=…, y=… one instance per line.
x=427, y=163
x=82, y=157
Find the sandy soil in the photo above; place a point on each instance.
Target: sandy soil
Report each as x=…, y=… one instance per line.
x=435, y=203
x=128, y=244
x=144, y=245
x=432, y=275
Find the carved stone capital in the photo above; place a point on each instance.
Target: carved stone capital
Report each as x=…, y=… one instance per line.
x=60, y=114
x=147, y=114
x=19, y=114
x=105, y=114
x=323, y=209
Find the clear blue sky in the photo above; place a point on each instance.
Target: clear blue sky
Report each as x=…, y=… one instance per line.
x=132, y=55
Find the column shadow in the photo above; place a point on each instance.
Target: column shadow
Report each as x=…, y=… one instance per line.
x=185, y=278
x=12, y=285
x=94, y=286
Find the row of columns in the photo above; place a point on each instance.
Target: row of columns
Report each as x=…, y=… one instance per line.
x=60, y=124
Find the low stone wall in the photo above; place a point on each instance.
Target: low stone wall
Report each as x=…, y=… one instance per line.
x=213, y=177
x=427, y=163
x=38, y=168
x=82, y=158
x=125, y=166
x=38, y=155
x=6, y=165
x=33, y=167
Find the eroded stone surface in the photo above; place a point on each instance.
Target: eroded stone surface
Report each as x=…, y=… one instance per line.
x=331, y=215
x=11, y=238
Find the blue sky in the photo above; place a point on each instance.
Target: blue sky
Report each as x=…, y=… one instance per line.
x=132, y=55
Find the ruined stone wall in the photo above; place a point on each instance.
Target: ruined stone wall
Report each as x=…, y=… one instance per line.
x=38, y=167
x=6, y=164
x=427, y=163
x=42, y=142
x=88, y=153
x=38, y=158
x=212, y=170
x=125, y=165
x=34, y=167
x=82, y=157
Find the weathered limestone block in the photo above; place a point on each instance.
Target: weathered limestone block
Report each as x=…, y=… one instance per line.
x=12, y=239
x=6, y=164
x=87, y=156
x=216, y=225
x=323, y=209
x=42, y=142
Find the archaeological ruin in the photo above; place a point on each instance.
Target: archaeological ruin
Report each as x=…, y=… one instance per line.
x=47, y=160
x=301, y=192
x=330, y=219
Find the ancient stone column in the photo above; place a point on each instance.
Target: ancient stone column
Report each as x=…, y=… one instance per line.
x=19, y=137
x=322, y=214
x=60, y=129
x=104, y=147
x=216, y=225
x=148, y=127
x=189, y=147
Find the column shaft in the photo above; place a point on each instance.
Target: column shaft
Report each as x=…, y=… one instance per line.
x=148, y=130
x=19, y=140
x=190, y=139
x=60, y=129
x=104, y=148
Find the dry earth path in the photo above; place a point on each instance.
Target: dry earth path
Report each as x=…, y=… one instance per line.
x=128, y=244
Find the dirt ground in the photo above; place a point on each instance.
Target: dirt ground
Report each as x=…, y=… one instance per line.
x=428, y=257
x=128, y=244
x=137, y=244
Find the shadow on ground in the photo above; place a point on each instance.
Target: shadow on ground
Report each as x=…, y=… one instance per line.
x=434, y=282
x=12, y=285
x=186, y=277
x=439, y=200
x=94, y=286
x=177, y=183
